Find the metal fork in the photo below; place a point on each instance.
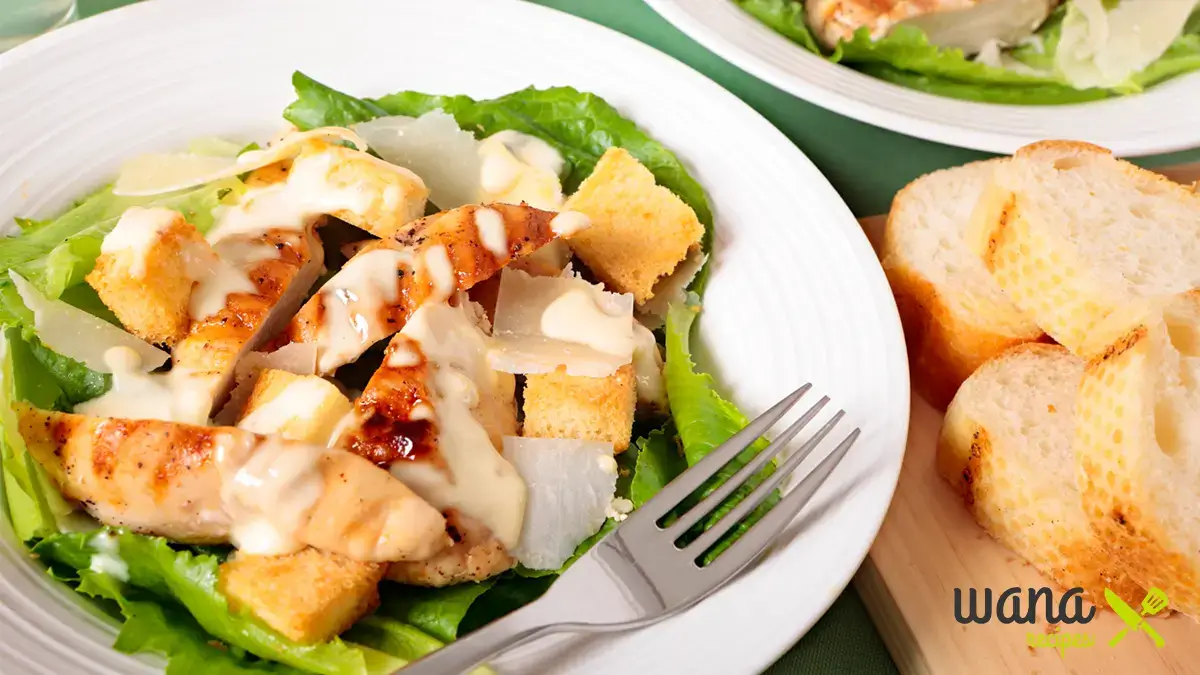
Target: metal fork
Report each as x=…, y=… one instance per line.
x=640, y=574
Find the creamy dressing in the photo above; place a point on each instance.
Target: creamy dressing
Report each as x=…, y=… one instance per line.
x=568, y=223
x=135, y=394
x=107, y=557
x=518, y=168
x=268, y=489
x=403, y=355
x=353, y=300
x=441, y=272
x=647, y=367
x=481, y=483
x=136, y=231
x=492, y=233
x=216, y=279
x=574, y=316
x=546, y=322
x=531, y=150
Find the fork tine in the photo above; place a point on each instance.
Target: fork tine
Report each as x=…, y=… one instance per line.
x=735, y=481
x=687, y=482
x=752, y=500
x=755, y=540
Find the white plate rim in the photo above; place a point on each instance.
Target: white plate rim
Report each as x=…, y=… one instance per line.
x=848, y=230
x=723, y=28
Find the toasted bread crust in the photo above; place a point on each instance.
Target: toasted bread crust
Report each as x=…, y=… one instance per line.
x=1116, y=398
x=979, y=470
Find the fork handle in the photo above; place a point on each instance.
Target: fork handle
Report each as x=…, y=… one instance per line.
x=465, y=653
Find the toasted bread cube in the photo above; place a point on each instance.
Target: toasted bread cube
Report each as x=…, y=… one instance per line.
x=141, y=274
x=384, y=199
x=558, y=405
x=640, y=231
x=309, y=597
x=297, y=407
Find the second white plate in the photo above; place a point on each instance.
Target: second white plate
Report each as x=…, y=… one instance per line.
x=1160, y=120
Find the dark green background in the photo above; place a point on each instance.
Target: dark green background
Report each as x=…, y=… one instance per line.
x=867, y=165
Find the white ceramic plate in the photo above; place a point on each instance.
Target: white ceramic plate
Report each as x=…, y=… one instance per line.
x=796, y=293
x=1160, y=120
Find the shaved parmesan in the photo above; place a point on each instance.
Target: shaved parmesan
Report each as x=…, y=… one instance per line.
x=159, y=173
x=520, y=168
x=74, y=333
x=648, y=369
x=571, y=484
x=1105, y=48
x=671, y=289
x=435, y=148
x=546, y=322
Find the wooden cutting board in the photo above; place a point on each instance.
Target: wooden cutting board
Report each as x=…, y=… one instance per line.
x=929, y=545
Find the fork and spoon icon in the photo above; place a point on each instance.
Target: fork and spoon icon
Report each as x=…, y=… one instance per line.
x=1154, y=602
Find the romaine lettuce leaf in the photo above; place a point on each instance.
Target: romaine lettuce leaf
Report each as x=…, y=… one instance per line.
x=659, y=460
x=705, y=420
x=785, y=17
x=190, y=578
x=399, y=640
x=33, y=504
x=152, y=626
x=59, y=254
x=436, y=611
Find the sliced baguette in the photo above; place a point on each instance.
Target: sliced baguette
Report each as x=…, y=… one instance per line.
x=1005, y=446
x=955, y=315
x=1067, y=258
x=1137, y=443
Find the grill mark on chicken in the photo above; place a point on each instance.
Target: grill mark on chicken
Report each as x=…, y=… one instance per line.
x=526, y=229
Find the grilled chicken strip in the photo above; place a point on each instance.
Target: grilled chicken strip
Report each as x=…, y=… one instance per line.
x=959, y=24
x=379, y=288
x=207, y=485
x=475, y=555
x=434, y=414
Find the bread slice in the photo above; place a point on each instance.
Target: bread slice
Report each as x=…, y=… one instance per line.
x=1138, y=443
x=955, y=315
x=1005, y=446
x=1068, y=258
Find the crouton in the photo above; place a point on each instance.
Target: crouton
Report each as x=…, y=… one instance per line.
x=297, y=407
x=640, y=231
x=142, y=276
x=379, y=197
x=558, y=405
x=309, y=597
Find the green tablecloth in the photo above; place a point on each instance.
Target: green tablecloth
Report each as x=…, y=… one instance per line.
x=867, y=166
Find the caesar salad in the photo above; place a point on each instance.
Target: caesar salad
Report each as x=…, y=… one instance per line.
x=323, y=403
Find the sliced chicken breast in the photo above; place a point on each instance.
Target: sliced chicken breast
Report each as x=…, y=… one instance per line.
x=380, y=287
x=435, y=414
x=217, y=484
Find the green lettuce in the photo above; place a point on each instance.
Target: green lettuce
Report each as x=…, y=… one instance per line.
x=58, y=254
x=705, y=420
x=189, y=578
x=905, y=57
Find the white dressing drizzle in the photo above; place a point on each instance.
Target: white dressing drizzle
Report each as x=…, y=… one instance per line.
x=353, y=300
x=268, y=488
x=107, y=557
x=441, y=272
x=647, y=368
x=173, y=396
x=481, y=483
x=492, y=233
x=136, y=231
x=574, y=316
x=568, y=223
